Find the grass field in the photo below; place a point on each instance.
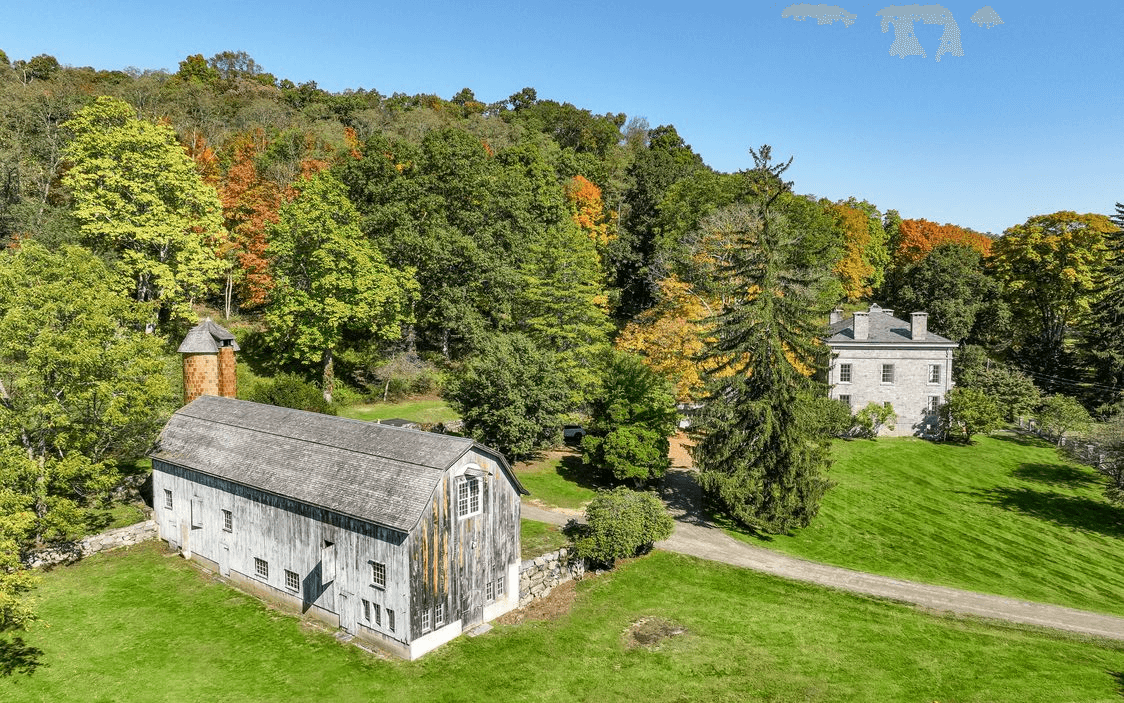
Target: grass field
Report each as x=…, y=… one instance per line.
x=538, y=538
x=560, y=480
x=427, y=410
x=1003, y=516
x=140, y=626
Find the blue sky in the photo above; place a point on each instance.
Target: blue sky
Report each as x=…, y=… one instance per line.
x=1028, y=121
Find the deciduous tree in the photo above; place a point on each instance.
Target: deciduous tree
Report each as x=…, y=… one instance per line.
x=632, y=418
x=512, y=396
x=329, y=280
x=968, y=412
x=138, y=195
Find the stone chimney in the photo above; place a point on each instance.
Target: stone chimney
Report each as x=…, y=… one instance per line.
x=919, y=325
x=208, y=362
x=836, y=316
x=861, y=322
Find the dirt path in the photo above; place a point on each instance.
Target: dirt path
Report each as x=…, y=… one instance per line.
x=695, y=536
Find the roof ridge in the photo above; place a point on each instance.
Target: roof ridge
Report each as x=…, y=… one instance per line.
x=324, y=444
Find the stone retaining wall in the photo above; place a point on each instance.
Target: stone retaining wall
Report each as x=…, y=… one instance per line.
x=73, y=551
x=539, y=576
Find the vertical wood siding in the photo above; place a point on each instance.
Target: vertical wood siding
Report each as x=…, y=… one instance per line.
x=289, y=536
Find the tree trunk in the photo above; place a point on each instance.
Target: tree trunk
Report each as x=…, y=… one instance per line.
x=329, y=380
x=229, y=290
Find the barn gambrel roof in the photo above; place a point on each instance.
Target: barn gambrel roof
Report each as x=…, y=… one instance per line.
x=379, y=473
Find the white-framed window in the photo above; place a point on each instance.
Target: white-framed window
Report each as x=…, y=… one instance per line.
x=261, y=568
x=934, y=373
x=425, y=621
x=378, y=613
x=468, y=496
x=439, y=614
x=500, y=591
x=390, y=619
x=934, y=403
x=366, y=609
x=887, y=373
x=167, y=499
x=292, y=581
x=490, y=591
x=378, y=574
x=227, y=521
x=846, y=400
x=844, y=373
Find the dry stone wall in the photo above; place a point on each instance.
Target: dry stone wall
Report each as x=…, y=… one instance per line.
x=539, y=576
x=112, y=539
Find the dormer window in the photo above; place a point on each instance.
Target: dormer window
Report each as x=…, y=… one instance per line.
x=468, y=496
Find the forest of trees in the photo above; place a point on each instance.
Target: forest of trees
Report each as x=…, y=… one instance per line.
x=342, y=233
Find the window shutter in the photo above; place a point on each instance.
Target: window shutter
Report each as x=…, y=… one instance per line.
x=328, y=563
x=196, y=512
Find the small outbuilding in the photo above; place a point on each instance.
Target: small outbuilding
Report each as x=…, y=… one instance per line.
x=400, y=537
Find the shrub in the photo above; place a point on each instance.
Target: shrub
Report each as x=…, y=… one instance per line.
x=290, y=391
x=969, y=411
x=873, y=418
x=621, y=523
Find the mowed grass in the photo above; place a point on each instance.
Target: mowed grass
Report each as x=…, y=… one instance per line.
x=538, y=538
x=139, y=626
x=1005, y=516
x=559, y=480
x=424, y=410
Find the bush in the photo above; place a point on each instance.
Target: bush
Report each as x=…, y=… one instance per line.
x=290, y=391
x=831, y=417
x=969, y=411
x=621, y=523
x=873, y=418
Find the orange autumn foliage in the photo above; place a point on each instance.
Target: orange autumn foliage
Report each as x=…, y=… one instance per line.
x=587, y=208
x=853, y=270
x=919, y=237
x=249, y=205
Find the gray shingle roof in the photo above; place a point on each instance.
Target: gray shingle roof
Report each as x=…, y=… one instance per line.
x=206, y=338
x=884, y=329
x=374, y=472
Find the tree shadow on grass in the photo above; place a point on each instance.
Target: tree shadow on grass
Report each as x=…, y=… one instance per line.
x=18, y=657
x=1056, y=475
x=572, y=469
x=1074, y=512
x=1023, y=440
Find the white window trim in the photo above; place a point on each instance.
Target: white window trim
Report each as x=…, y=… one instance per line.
x=296, y=578
x=850, y=373
x=882, y=377
x=462, y=483
x=378, y=574
x=937, y=368
x=261, y=565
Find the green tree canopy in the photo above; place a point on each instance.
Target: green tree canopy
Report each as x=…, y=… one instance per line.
x=1104, y=333
x=138, y=196
x=968, y=412
x=329, y=280
x=620, y=524
x=1050, y=268
x=632, y=417
x=81, y=385
x=511, y=395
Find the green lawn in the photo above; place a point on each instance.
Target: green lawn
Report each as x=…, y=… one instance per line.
x=1003, y=516
x=563, y=482
x=426, y=410
x=139, y=626
x=538, y=538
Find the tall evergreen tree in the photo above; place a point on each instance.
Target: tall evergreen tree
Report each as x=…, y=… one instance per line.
x=1104, y=336
x=758, y=453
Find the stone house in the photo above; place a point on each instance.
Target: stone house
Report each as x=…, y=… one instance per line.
x=402, y=538
x=878, y=358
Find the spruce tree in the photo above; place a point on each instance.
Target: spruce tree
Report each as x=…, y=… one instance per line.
x=1105, y=334
x=758, y=452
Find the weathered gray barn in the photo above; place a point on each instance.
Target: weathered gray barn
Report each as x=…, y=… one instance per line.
x=401, y=537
